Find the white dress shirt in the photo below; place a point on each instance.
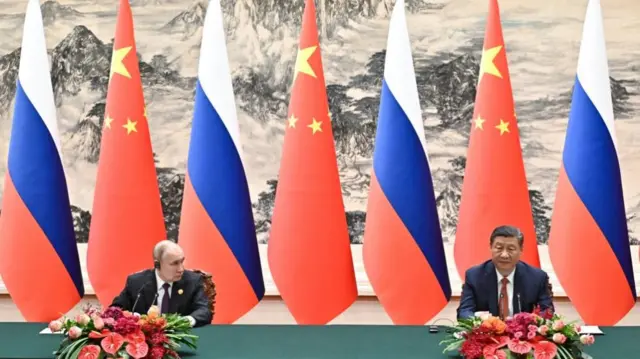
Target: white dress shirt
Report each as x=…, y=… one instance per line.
x=160, y=290
x=509, y=289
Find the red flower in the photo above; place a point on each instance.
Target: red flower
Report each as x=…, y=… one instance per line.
x=489, y=350
x=97, y=335
x=501, y=341
x=112, y=343
x=499, y=354
x=157, y=352
x=137, y=350
x=89, y=352
x=545, y=314
x=471, y=349
x=135, y=337
x=172, y=354
x=545, y=350
x=114, y=313
x=159, y=338
x=126, y=325
x=519, y=347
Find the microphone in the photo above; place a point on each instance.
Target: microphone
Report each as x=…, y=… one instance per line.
x=155, y=297
x=519, y=304
x=433, y=328
x=133, y=310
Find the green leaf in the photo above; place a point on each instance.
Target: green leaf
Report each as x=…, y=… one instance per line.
x=453, y=346
x=563, y=353
x=71, y=351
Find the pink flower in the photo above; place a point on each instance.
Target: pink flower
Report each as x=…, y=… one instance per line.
x=55, y=326
x=531, y=335
x=558, y=325
x=559, y=338
x=498, y=354
x=89, y=352
x=109, y=321
x=137, y=350
x=532, y=328
x=543, y=330
x=112, y=343
x=83, y=319
x=98, y=322
x=518, y=335
x=519, y=347
x=577, y=328
x=587, y=339
x=489, y=350
x=544, y=350
x=75, y=332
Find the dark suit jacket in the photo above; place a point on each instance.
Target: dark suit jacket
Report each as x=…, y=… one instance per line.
x=192, y=302
x=480, y=290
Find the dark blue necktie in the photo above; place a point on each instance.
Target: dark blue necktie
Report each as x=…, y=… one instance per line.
x=164, y=307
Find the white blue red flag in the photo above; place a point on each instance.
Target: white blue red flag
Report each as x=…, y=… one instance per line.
x=403, y=251
x=217, y=231
x=589, y=240
x=39, y=261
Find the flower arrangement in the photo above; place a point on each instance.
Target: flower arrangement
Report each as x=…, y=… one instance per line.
x=537, y=335
x=114, y=333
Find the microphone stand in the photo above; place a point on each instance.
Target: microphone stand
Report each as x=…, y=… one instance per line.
x=133, y=309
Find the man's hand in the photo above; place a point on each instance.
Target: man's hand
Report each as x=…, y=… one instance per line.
x=192, y=321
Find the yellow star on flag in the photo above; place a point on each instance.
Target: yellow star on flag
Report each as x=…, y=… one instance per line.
x=487, y=64
x=292, y=121
x=503, y=127
x=107, y=121
x=130, y=126
x=145, y=112
x=315, y=126
x=479, y=121
x=117, y=65
x=302, y=62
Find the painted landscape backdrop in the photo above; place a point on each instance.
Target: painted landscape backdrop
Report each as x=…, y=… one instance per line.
x=542, y=40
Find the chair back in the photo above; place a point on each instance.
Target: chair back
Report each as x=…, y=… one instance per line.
x=209, y=288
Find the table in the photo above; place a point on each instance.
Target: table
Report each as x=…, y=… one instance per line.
x=21, y=340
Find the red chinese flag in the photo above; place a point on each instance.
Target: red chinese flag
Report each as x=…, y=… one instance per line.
x=309, y=250
x=127, y=218
x=495, y=189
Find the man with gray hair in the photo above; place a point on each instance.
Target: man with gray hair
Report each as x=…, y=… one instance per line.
x=169, y=286
x=504, y=285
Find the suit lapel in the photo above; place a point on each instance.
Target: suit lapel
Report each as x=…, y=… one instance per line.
x=177, y=296
x=517, y=290
x=150, y=290
x=491, y=283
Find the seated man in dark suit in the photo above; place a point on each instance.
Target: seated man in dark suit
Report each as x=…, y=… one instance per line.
x=169, y=286
x=504, y=285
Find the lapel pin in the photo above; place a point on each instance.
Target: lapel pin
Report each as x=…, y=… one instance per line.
x=180, y=291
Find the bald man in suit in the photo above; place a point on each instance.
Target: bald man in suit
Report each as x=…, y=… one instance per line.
x=169, y=286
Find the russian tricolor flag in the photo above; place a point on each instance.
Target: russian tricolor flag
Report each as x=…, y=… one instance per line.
x=39, y=261
x=402, y=251
x=217, y=231
x=589, y=241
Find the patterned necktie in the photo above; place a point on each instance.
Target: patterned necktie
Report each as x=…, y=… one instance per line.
x=164, y=307
x=504, y=299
